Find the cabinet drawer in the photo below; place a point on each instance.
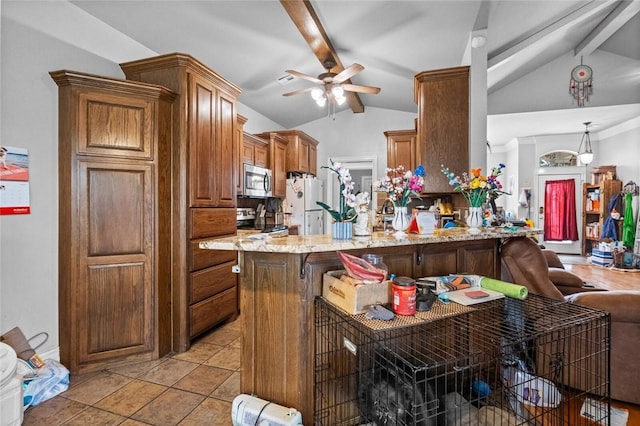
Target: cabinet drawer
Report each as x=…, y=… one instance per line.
x=211, y=281
x=204, y=258
x=211, y=311
x=211, y=222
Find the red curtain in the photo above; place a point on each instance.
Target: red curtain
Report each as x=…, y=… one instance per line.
x=560, y=210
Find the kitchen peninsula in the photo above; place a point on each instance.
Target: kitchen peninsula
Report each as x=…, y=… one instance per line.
x=280, y=277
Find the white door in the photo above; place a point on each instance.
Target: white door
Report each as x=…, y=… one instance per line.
x=564, y=247
x=313, y=191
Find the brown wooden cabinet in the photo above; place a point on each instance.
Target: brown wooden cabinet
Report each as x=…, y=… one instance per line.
x=253, y=151
x=114, y=221
x=204, y=184
x=302, y=151
x=278, y=149
x=595, y=201
x=443, y=124
x=402, y=149
x=237, y=153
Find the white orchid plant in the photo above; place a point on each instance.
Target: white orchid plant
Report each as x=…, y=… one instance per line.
x=346, y=212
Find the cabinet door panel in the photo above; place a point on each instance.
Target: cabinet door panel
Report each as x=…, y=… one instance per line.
x=248, y=153
x=224, y=167
x=115, y=283
x=203, y=258
x=212, y=222
x=313, y=159
x=116, y=306
x=279, y=168
x=212, y=310
x=261, y=156
x=115, y=125
x=211, y=281
x=438, y=262
x=401, y=149
x=117, y=209
x=202, y=142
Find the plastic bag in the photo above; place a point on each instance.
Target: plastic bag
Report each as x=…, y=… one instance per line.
x=51, y=380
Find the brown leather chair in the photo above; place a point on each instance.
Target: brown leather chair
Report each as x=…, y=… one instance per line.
x=523, y=262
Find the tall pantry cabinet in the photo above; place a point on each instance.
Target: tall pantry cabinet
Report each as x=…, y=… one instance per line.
x=204, y=189
x=114, y=239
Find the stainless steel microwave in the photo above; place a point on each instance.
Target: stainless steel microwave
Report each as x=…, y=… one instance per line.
x=257, y=182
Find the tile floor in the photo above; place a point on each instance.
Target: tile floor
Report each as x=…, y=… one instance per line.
x=192, y=388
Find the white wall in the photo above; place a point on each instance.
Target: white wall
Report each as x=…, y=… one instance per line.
x=353, y=135
x=29, y=243
x=29, y=105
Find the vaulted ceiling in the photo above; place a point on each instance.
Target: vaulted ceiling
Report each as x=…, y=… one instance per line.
x=252, y=43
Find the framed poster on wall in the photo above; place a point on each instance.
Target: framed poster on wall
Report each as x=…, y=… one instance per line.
x=14, y=181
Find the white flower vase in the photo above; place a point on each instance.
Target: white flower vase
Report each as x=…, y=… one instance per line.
x=342, y=230
x=474, y=220
x=401, y=220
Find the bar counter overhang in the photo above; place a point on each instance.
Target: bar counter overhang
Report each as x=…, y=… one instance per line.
x=280, y=278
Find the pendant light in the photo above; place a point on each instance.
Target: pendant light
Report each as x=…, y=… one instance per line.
x=585, y=156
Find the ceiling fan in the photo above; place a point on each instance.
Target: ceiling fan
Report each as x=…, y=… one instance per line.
x=332, y=86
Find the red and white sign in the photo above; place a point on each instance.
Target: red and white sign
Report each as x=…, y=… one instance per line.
x=14, y=181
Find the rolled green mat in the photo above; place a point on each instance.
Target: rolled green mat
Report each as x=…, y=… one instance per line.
x=512, y=290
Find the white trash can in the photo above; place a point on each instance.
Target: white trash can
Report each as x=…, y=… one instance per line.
x=11, y=392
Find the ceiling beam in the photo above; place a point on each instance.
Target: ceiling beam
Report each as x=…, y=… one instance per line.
x=309, y=25
x=624, y=11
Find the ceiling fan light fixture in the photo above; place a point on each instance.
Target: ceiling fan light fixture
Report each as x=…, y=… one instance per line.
x=321, y=101
x=340, y=99
x=586, y=156
x=317, y=93
x=337, y=91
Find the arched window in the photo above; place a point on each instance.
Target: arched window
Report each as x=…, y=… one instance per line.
x=559, y=158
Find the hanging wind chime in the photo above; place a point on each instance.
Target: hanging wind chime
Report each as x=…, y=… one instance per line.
x=581, y=83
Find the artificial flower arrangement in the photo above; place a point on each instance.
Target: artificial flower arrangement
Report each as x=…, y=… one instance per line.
x=475, y=187
x=346, y=211
x=400, y=185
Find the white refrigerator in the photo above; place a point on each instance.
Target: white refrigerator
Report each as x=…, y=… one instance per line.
x=300, y=204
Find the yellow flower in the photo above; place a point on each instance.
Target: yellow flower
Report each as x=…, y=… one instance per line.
x=474, y=184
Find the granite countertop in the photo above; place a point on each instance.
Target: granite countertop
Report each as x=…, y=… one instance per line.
x=324, y=243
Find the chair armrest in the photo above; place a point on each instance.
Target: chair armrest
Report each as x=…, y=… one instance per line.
x=552, y=259
x=563, y=278
x=623, y=305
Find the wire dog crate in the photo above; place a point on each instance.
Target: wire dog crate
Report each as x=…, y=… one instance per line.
x=537, y=361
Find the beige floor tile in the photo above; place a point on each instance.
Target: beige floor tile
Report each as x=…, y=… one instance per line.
x=91, y=391
x=95, y=416
x=211, y=412
x=199, y=352
x=229, y=389
x=221, y=336
x=76, y=379
x=132, y=397
x=204, y=379
x=138, y=368
x=169, y=408
x=131, y=422
x=169, y=372
x=228, y=358
x=236, y=343
x=54, y=411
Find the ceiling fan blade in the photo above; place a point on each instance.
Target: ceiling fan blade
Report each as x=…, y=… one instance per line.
x=347, y=73
x=304, y=76
x=297, y=92
x=361, y=89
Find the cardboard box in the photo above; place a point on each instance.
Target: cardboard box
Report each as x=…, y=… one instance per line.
x=353, y=300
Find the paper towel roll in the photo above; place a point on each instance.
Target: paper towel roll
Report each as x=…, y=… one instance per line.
x=512, y=290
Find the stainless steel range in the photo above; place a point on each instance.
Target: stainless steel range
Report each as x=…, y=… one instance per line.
x=245, y=218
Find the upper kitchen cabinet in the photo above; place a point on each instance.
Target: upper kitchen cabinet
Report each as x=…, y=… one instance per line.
x=443, y=124
x=205, y=125
x=302, y=151
x=278, y=152
x=204, y=162
x=114, y=186
x=402, y=149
